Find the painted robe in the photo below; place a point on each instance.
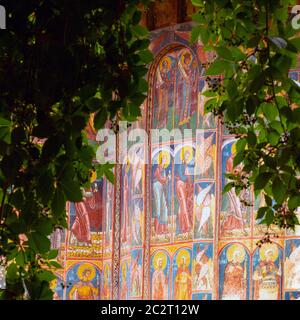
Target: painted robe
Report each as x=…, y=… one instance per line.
x=187, y=90
x=163, y=88
x=234, y=219
x=160, y=197
x=159, y=285
x=234, y=287
x=83, y=291
x=183, y=283
x=267, y=277
x=184, y=192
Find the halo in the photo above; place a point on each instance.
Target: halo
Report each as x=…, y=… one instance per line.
x=164, y=154
x=184, y=150
x=269, y=247
x=83, y=267
x=53, y=284
x=169, y=62
x=157, y=257
x=127, y=166
x=181, y=254
x=124, y=269
x=236, y=249
x=233, y=148
x=186, y=53
x=106, y=271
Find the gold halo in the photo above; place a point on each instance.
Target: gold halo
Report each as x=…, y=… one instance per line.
x=183, y=55
x=233, y=148
x=169, y=62
x=157, y=257
x=272, y=247
x=124, y=270
x=53, y=284
x=164, y=154
x=184, y=150
x=181, y=254
x=236, y=249
x=84, y=267
x=127, y=165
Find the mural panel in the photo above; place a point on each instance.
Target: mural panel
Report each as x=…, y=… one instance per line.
x=86, y=219
x=235, y=217
x=292, y=265
x=267, y=272
x=234, y=271
x=84, y=280
x=136, y=274
x=160, y=275
x=182, y=274
x=204, y=207
x=202, y=267
x=124, y=281
x=106, y=282
x=161, y=194
x=184, y=188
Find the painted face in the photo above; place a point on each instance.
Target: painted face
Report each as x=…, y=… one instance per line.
x=87, y=273
x=269, y=255
x=160, y=263
x=187, y=156
x=164, y=160
x=187, y=59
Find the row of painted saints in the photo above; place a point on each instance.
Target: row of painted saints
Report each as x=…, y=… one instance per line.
x=189, y=273
x=234, y=273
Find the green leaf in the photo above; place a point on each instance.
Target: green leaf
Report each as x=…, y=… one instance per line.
x=228, y=187
x=72, y=190
x=46, y=275
x=269, y=217
x=261, y=180
x=270, y=111
x=261, y=212
x=224, y=53
x=58, y=203
x=278, y=190
x=53, y=254
x=218, y=67
x=38, y=242
x=139, y=31
x=100, y=119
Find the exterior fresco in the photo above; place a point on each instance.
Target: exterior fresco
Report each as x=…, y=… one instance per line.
x=164, y=230
x=84, y=279
x=234, y=270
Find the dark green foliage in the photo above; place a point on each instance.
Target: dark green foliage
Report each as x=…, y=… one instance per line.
x=60, y=61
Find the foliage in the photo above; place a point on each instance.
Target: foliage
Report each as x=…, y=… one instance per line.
x=255, y=48
x=60, y=62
